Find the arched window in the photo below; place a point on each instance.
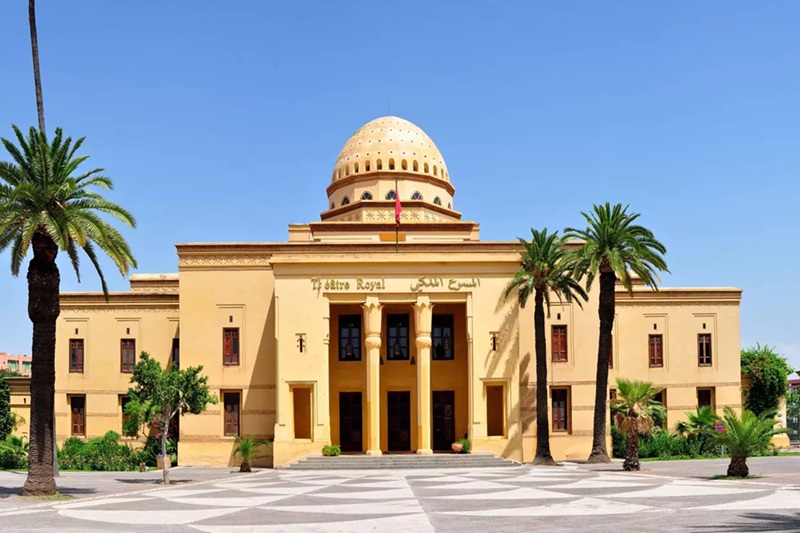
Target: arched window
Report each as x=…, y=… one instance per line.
x=379, y=164
x=345, y=201
x=434, y=171
x=391, y=164
x=437, y=201
x=416, y=196
x=390, y=195
x=404, y=164
x=333, y=205
x=449, y=206
x=426, y=168
x=355, y=168
x=366, y=196
x=415, y=166
x=347, y=170
x=366, y=166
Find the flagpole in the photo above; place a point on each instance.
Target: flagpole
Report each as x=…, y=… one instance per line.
x=397, y=222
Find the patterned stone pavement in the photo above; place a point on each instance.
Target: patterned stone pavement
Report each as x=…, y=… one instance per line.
x=503, y=499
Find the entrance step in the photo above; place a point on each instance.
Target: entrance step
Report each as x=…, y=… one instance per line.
x=395, y=462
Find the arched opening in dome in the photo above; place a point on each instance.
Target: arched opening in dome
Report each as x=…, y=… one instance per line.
x=390, y=195
x=366, y=165
x=355, y=167
x=345, y=201
x=426, y=168
x=437, y=201
x=404, y=164
x=347, y=170
x=416, y=196
x=391, y=164
x=379, y=164
x=366, y=196
x=333, y=205
x=415, y=166
x=449, y=206
x=435, y=173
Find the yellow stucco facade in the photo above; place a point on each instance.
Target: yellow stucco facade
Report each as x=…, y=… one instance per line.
x=341, y=336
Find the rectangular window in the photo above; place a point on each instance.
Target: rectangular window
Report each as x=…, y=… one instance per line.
x=705, y=397
x=230, y=346
x=656, y=350
x=559, y=341
x=127, y=355
x=76, y=355
x=349, y=337
x=123, y=402
x=302, y=412
x=13, y=365
x=397, y=347
x=704, y=349
x=560, y=400
x=175, y=358
x=495, y=419
x=77, y=406
x=442, y=338
x=231, y=401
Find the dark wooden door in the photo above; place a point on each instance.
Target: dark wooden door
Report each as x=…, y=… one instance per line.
x=444, y=420
x=399, y=407
x=350, y=421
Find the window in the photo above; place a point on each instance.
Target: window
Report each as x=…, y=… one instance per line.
x=397, y=347
x=415, y=166
x=426, y=168
x=349, y=337
x=13, y=365
x=231, y=401
x=175, y=358
x=404, y=164
x=495, y=421
x=345, y=201
x=437, y=201
x=123, y=402
x=705, y=397
x=559, y=341
x=560, y=399
x=230, y=346
x=301, y=397
x=26, y=366
x=656, y=343
x=390, y=195
x=435, y=172
x=355, y=167
x=366, y=196
x=442, y=337
x=379, y=164
x=366, y=166
x=416, y=196
x=704, y=349
x=76, y=355
x=77, y=407
x=333, y=205
x=127, y=354
x=391, y=164
x=661, y=398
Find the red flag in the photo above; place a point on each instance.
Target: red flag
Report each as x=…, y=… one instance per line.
x=397, y=208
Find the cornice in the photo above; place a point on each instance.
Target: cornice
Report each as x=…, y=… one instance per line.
x=139, y=301
x=694, y=296
x=389, y=174
x=389, y=205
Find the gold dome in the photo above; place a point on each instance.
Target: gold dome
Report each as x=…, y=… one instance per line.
x=390, y=144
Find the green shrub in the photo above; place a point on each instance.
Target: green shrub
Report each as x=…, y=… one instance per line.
x=618, y=440
x=101, y=454
x=152, y=449
x=467, y=447
x=332, y=450
x=13, y=453
x=661, y=443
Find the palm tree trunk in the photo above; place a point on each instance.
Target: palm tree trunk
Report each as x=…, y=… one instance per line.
x=37, y=76
x=43, y=309
x=738, y=467
x=632, y=444
x=606, y=310
x=543, y=455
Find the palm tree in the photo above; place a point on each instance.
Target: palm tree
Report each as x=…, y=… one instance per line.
x=47, y=205
x=545, y=269
x=247, y=448
x=634, y=410
x=613, y=246
x=37, y=76
x=745, y=436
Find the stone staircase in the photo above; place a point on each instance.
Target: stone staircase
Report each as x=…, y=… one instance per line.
x=400, y=461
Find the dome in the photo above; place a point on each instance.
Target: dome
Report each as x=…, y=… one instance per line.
x=390, y=144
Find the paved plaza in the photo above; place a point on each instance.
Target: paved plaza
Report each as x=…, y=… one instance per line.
x=599, y=498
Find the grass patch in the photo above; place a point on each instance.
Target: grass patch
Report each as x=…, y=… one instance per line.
x=788, y=454
x=57, y=497
x=678, y=458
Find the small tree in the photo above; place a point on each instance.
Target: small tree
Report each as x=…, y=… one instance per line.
x=746, y=436
x=166, y=392
x=767, y=371
x=699, y=428
x=634, y=410
x=247, y=448
x=6, y=417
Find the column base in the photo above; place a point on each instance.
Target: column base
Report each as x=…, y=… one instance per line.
x=425, y=451
x=374, y=452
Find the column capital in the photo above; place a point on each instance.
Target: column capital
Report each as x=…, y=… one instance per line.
x=372, y=317
x=423, y=315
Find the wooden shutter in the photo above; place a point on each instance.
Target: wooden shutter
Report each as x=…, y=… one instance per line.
x=76, y=355
x=704, y=349
x=232, y=413
x=128, y=354
x=559, y=340
x=656, y=350
x=559, y=400
x=78, y=408
x=230, y=346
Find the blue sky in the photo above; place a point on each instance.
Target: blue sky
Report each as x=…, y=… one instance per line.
x=221, y=121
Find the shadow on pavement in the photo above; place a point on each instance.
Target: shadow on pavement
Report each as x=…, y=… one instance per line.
x=755, y=522
x=140, y=481
x=6, y=492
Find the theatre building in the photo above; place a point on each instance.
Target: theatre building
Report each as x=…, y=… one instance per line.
x=343, y=335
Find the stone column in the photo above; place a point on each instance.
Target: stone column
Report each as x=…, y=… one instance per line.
x=372, y=342
x=423, y=317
